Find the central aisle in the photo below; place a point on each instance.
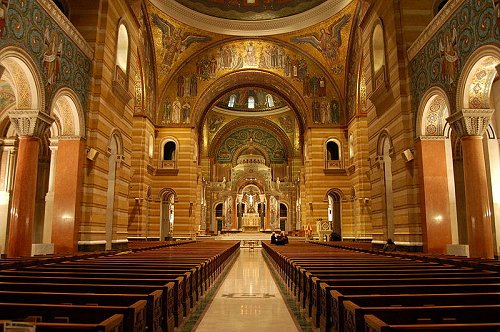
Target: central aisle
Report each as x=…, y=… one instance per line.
x=248, y=300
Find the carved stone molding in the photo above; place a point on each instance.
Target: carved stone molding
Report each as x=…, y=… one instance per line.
x=30, y=122
x=470, y=122
x=251, y=28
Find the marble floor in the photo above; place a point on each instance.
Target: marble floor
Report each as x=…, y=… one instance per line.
x=248, y=300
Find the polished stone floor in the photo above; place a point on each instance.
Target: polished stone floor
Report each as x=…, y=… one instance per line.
x=248, y=300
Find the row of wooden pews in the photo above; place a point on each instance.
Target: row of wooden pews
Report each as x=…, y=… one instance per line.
x=137, y=290
x=352, y=290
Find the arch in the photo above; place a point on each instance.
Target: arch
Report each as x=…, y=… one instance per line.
x=385, y=152
x=27, y=80
x=255, y=78
x=168, y=192
x=351, y=146
x=333, y=152
x=122, y=46
x=433, y=110
x=334, y=197
x=168, y=152
x=334, y=191
x=68, y=111
x=116, y=137
x=242, y=123
x=151, y=142
x=168, y=197
x=476, y=80
x=382, y=138
x=115, y=154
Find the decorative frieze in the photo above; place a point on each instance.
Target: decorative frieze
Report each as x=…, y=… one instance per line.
x=470, y=122
x=30, y=122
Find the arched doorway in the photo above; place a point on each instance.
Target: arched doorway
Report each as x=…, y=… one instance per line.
x=219, y=218
x=167, y=215
x=283, y=217
x=115, y=151
x=385, y=152
x=334, y=212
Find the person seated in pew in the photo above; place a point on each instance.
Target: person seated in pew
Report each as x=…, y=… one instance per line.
x=389, y=246
x=282, y=239
x=273, y=238
x=335, y=236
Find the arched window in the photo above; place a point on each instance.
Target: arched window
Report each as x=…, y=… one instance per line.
x=333, y=154
x=251, y=102
x=379, y=67
x=169, y=151
x=351, y=146
x=378, y=49
x=122, y=48
x=332, y=150
x=232, y=100
x=150, y=145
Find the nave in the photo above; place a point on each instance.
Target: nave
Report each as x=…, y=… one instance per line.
x=248, y=299
x=186, y=286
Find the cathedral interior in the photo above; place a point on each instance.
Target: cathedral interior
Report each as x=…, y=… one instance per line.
x=131, y=120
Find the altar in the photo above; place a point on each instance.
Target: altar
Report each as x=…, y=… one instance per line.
x=250, y=222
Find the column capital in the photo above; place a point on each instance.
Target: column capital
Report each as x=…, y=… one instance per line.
x=30, y=122
x=470, y=122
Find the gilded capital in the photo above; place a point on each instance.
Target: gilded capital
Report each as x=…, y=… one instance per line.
x=30, y=122
x=470, y=122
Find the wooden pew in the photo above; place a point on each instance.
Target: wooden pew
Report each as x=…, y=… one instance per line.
x=333, y=305
x=154, y=315
x=354, y=315
x=336, y=322
x=183, y=291
x=167, y=295
x=111, y=324
x=134, y=317
x=375, y=324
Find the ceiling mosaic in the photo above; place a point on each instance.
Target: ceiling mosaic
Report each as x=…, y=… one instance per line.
x=250, y=10
x=266, y=140
x=312, y=60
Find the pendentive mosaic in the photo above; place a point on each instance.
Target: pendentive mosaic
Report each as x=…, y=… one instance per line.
x=440, y=62
x=62, y=64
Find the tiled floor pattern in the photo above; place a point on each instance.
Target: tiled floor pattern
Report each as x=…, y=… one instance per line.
x=248, y=299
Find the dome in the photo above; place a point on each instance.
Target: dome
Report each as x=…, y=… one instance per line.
x=250, y=10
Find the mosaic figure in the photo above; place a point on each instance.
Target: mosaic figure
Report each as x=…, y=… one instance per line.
x=4, y=5
x=52, y=55
x=328, y=41
x=449, y=56
x=174, y=41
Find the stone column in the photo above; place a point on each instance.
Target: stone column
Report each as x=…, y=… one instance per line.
x=433, y=174
x=67, y=194
x=470, y=125
x=30, y=125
